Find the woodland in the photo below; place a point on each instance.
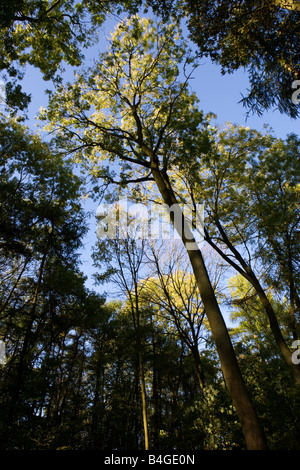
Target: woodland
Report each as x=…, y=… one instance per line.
x=193, y=341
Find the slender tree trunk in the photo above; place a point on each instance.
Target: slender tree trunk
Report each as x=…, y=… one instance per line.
x=144, y=401
x=155, y=394
x=252, y=430
x=140, y=362
x=141, y=371
x=133, y=298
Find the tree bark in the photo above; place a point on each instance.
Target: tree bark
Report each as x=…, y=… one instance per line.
x=254, y=437
x=144, y=401
x=136, y=311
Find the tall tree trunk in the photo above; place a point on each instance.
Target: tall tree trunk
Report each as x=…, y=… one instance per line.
x=141, y=370
x=144, y=401
x=251, y=428
x=155, y=394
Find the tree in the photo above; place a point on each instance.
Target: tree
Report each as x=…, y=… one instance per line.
x=171, y=287
x=265, y=372
x=259, y=36
x=274, y=185
x=245, y=192
x=41, y=230
x=151, y=124
x=126, y=257
x=262, y=37
x=47, y=34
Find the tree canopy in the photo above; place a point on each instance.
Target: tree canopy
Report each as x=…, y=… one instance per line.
x=47, y=35
x=261, y=37
x=191, y=339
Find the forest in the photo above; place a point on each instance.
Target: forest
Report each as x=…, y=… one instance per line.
x=188, y=336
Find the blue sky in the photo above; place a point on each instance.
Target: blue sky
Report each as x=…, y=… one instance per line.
x=218, y=93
